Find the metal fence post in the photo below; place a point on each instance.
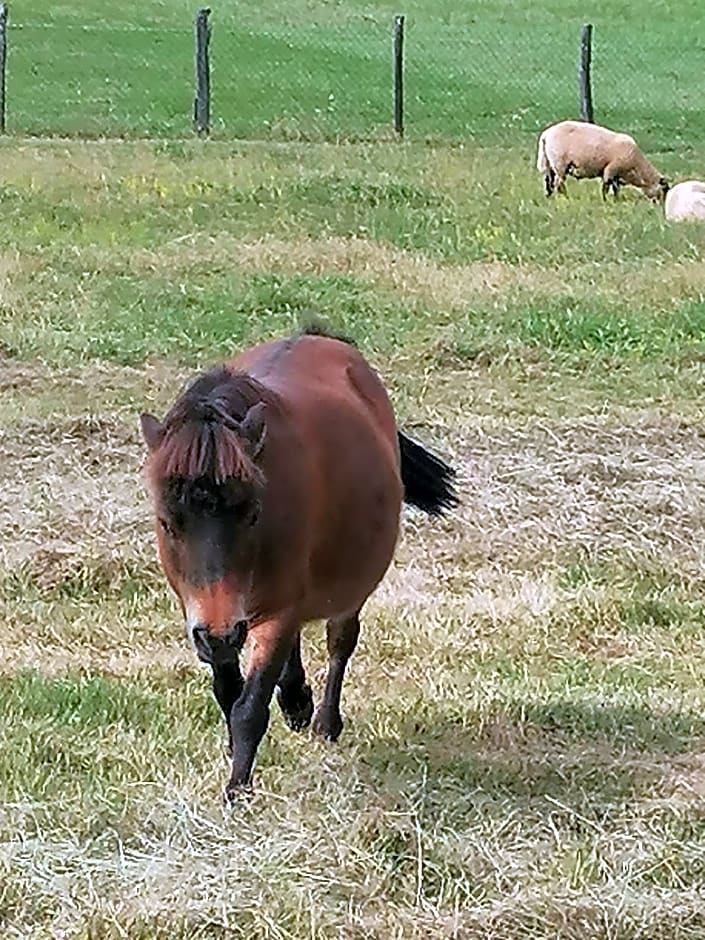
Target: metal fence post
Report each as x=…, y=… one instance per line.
x=202, y=101
x=3, y=63
x=586, y=112
x=398, y=68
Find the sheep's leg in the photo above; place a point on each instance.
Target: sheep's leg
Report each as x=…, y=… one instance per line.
x=550, y=181
x=610, y=180
x=612, y=184
x=559, y=174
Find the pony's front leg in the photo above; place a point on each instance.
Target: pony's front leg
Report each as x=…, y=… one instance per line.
x=227, y=689
x=271, y=644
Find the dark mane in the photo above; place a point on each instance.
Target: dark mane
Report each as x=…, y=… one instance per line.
x=202, y=439
x=315, y=326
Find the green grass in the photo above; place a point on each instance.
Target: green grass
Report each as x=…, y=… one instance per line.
x=125, y=313
x=489, y=73
x=524, y=731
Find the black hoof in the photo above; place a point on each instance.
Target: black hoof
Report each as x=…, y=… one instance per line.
x=297, y=713
x=234, y=792
x=327, y=726
x=300, y=721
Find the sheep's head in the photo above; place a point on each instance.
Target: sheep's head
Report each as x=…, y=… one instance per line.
x=657, y=191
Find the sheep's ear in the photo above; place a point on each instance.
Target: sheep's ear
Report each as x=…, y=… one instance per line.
x=254, y=430
x=152, y=431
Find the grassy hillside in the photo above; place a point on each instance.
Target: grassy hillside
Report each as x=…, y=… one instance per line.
x=524, y=740
x=488, y=72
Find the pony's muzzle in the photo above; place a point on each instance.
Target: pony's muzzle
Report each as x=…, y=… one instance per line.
x=218, y=649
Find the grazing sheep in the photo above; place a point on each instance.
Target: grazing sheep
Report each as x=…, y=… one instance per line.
x=686, y=201
x=587, y=151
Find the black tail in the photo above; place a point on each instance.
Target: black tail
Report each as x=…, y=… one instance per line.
x=428, y=480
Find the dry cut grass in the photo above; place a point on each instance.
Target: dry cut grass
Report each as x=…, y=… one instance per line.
x=522, y=757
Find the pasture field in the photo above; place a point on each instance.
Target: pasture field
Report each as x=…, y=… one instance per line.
x=524, y=753
x=319, y=69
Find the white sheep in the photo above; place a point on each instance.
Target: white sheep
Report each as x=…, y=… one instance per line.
x=686, y=201
x=587, y=151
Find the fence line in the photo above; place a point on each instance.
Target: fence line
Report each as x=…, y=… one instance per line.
x=332, y=80
x=98, y=28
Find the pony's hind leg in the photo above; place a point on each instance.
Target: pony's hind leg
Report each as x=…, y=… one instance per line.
x=341, y=634
x=227, y=687
x=293, y=692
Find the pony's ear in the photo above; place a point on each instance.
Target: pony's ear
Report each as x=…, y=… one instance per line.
x=254, y=430
x=152, y=431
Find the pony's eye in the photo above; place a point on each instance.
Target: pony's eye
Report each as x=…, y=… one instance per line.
x=247, y=512
x=165, y=527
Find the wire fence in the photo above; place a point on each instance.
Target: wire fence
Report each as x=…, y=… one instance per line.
x=331, y=78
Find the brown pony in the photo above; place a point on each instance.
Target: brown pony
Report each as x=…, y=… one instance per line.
x=277, y=482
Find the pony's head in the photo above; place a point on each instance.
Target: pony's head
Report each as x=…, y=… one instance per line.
x=207, y=485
